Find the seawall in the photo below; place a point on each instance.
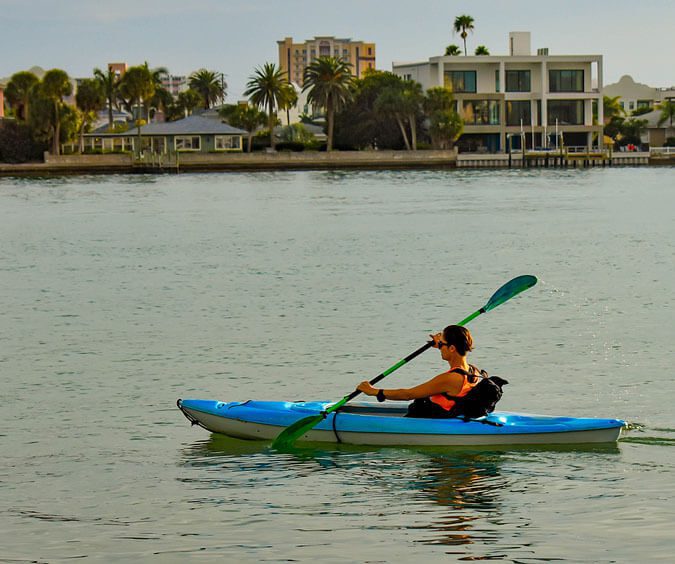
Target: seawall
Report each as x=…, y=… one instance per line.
x=183, y=162
x=385, y=160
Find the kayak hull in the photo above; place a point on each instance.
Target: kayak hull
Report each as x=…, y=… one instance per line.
x=367, y=423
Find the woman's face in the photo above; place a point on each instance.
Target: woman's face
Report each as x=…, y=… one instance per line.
x=446, y=350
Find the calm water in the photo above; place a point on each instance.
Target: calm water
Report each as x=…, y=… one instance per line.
x=120, y=294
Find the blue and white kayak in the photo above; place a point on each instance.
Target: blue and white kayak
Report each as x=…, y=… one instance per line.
x=368, y=423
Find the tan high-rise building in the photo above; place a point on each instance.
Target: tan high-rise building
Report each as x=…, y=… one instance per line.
x=118, y=68
x=294, y=57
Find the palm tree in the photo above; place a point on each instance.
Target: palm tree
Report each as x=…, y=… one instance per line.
x=290, y=100
x=413, y=98
x=162, y=98
x=452, y=50
x=265, y=90
x=188, y=101
x=389, y=104
x=89, y=98
x=18, y=92
x=328, y=81
x=55, y=85
x=110, y=84
x=210, y=84
x=481, y=50
x=445, y=125
x=137, y=86
x=463, y=25
x=612, y=108
x=403, y=101
x=248, y=118
x=667, y=108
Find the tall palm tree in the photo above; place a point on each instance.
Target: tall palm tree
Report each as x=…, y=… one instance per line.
x=137, y=87
x=290, y=100
x=110, y=84
x=452, y=50
x=210, y=84
x=328, y=81
x=481, y=50
x=55, y=85
x=463, y=25
x=162, y=98
x=265, y=90
x=667, y=108
x=89, y=98
x=18, y=92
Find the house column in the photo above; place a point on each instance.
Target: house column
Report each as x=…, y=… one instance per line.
x=544, y=95
x=601, y=107
x=441, y=78
x=502, y=106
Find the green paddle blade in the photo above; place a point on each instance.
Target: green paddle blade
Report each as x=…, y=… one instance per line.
x=509, y=290
x=293, y=432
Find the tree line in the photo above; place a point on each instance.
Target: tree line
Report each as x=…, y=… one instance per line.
x=379, y=110
x=43, y=119
x=626, y=129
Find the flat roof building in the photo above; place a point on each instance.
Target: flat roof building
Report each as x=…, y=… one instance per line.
x=506, y=100
x=295, y=57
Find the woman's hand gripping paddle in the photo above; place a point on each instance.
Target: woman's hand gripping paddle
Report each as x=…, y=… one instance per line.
x=293, y=432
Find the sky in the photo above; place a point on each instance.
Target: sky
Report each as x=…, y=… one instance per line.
x=236, y=36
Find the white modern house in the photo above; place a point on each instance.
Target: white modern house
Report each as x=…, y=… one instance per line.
x=540, y=100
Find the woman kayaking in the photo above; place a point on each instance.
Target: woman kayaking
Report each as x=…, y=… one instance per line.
x=440, y=396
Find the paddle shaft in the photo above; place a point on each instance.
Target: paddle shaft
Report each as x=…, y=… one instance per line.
x=302, y=426
x=398, y=365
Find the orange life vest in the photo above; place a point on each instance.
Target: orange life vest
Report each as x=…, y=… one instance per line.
x=471, y=378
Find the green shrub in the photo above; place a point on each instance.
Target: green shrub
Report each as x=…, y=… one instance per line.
x=293, y=146
x=17, y=144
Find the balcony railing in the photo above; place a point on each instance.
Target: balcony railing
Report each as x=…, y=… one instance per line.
x=654, y=151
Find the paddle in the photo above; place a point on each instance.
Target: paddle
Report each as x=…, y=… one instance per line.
x=293, y=432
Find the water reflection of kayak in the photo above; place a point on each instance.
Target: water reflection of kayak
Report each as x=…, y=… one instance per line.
x=368, y=423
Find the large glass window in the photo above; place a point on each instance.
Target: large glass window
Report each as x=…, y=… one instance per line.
x=228, y=142
x=461, y=81
x=566, y=80
x=481, y=112
x=497, y=80
x=567, y=112
x=517, y=111
x=188, y=143
x=517, y=80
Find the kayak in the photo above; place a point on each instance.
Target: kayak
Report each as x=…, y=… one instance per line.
x=369, y=423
